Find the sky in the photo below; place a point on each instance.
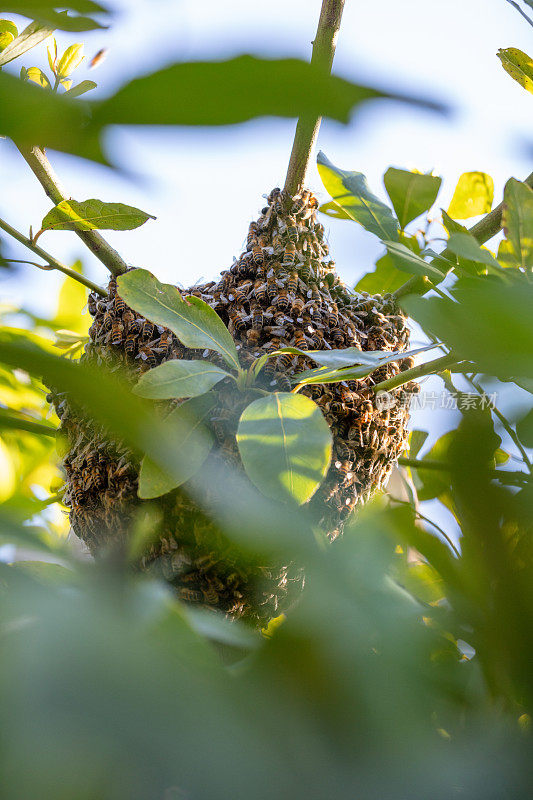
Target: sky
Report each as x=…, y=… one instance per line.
x=205, y=185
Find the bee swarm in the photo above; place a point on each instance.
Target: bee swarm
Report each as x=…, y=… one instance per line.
x=283, y=290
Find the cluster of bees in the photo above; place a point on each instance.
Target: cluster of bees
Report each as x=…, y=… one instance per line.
x=282, y=290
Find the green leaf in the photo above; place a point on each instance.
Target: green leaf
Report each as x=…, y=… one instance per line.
x=81, y=88
x=466, y=246
x=187, y=422
x=285, y=445
x=332, y=209
x=6, y=26
x=350, y=191
x=179, y=378
x=519, y=66
x=227, y=92
x=411, y=193
x=340, y=365
x=45, y=12
x=451, y=225
x=473, y=195
x=32, y=35
x=385, y=278
x=37, y=76
x=407, y=261
x=70, y=60
x=5, y=39
x=416, y=442
x=486, y=322
x=518, y=221
x=69, y=215
x=194, y=322
x=524, y=429
x=27, y=115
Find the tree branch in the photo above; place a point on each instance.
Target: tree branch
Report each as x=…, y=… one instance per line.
x=308, y=126
x=483, y=230
x=43, y=171
x=51, y=262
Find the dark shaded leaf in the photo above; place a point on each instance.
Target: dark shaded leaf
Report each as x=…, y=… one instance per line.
x=285, y=445
x=194, y=322
x=411, y=193
x=350, y=191
x=45, y=11
x=524, y=428
x=192, y=436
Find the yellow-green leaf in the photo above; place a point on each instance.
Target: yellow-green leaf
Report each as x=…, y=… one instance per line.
x=31, y=36
x=51, y=52
x=285, y=445
x=7, y=473
x=5, y=39
x=69, y=215
x=473, y=195
x=179, y=378
x=519, y=66
x=71, y=302
x=518, y=221
x=80, y=88
x=70, y=60
x=6, y=26
x=37, y=76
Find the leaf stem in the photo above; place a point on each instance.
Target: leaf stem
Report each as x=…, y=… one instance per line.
x=308, y=126
x=429, y=368
x=51, y=262
x=483, y=230
x=36, y=159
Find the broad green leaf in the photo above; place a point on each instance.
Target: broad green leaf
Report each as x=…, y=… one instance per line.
x=466, y=246
x=473, y=195
x=195, y=439
x=45, y=12
x=486, y=322
x=371, y=360
x=46, y=572
x=519, y=66
x=71, y=302
x=227, y=92
x=37, y=76
x=385, y=278
x=179, y=378
x=69, y=215
x=416, y=442
x=332, y=209
x=32, y=35
x=285, y=445
x=27, y=115
x=70, y=60
x=350, y=191
x=411, y=193
x=407, y=261
x=524, y=428
x=451, y=225
x=518, y=221
x=8, y=478
x=81, y=88
x=506, y=255
x=195, y=323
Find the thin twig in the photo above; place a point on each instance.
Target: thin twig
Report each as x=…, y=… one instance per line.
x=43, y=171
x=429, y=368
x=308, y=125
x=51, y=262
x=430, y=522
x=483, y=230
x=520, y=11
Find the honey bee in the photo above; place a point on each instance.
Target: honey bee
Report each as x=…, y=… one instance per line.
x=108, y=321
x=313, y=293
x=282, y=299
x=366, y=411
x=257, y=319
x=289, y=254
x=407, y=363
x=238, y=317
x=148, y=356
x=297, y=305
x=92, y=304
x=344, y=467
x=257, y=255
x=190, y=595
x=252, y=336
x=345, y=452
x=305, y=271
x=253, y=230
x=333, y=315
x=292, y=229
x=260, y=292
x=338, y=336
x=284, y=383
x=284, y=362
x=117, y=330
x=128, y=318
x=77, y=495
x=210, y=596
x=292, y=283
x=319, y=230
x=165, y=341
x=300, y=340
x=113, y=287
x=338, y=408
x=120, y=305
x=147, y=329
